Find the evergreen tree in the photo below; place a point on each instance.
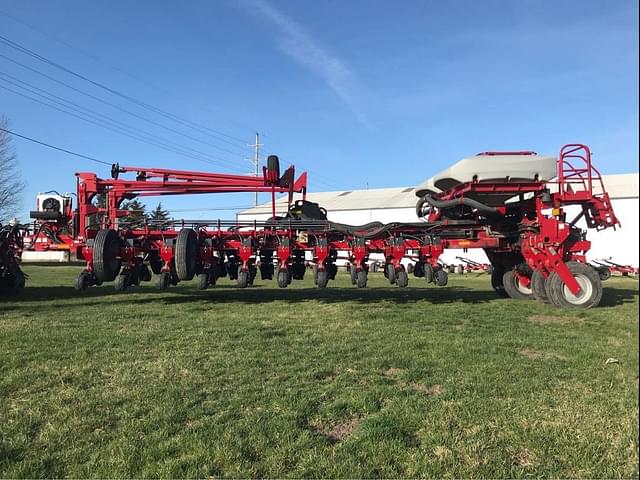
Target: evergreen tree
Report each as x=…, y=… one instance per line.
x=158, y=217
x=95, y=220
x=137, y=214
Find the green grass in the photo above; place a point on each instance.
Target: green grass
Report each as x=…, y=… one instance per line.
x=301, y=382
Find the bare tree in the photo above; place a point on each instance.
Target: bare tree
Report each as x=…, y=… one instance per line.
x=11, y=185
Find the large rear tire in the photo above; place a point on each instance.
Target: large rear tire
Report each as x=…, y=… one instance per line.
x=590, y=288
x=106, y=248
x=186, y=254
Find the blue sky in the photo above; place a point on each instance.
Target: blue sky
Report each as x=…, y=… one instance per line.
x=360, y=93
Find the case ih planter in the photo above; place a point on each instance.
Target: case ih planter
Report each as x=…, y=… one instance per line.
x=511, y=204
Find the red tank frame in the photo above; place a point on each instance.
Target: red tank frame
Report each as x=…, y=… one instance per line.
x=529, y=235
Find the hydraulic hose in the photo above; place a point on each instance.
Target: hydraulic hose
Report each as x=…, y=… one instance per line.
x=442, y=204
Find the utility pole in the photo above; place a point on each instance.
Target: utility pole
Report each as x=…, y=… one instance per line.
x=256, y=162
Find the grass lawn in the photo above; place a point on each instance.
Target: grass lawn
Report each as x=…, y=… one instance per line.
x=302, y=382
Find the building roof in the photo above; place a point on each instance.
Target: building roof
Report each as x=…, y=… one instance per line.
x=618, y=186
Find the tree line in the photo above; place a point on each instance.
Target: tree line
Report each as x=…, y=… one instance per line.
x=138, y=214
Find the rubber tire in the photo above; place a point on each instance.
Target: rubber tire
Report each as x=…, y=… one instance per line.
x=391, y=273
x=510, y=284
x=186, y=254
x=538, y=287
x=145, y=274
x=354, y=275
x=402, y=279
x=441, y=277
x=122, y=282
x=162, y=280
x=273, y=164
x=560, y=296
x=496, y=282
x=361, y=279
x=156, y=265
x=283, y=278
x=604, y=273
x=428, y=272
x=315, y=274
x=106, y=247
x=322, y=278
x=202, y=281
x=82, y=281
x=243, y=278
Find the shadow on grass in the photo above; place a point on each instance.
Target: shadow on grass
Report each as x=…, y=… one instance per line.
x=221, y=294
x=617, y=296
x=261, y=294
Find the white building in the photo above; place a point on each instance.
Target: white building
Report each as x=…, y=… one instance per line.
x=386, y=205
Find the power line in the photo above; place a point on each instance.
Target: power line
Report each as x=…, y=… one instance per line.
x=116, y=129
x=122, y=128
x=118, y=107
x=48, y=145
x=185, y=122
x=141, y=103
x=101, y=61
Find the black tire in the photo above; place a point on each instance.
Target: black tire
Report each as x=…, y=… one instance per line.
x=590, y=284
x=402, y=279
x=391, y=273
x=253, y=272
x=186, y=254
x=537, y=286
x=354, y=275
x=361, y=278
x=144, y=274
x=162, y=280
x=283, y=278
x=514, y=288
x=202, y=281
x=122, y=282
x=243, y=278
x=82, y=281
x=496, y=282
x=273, y=165
x=322, y=278
x=156, y=263
x=315, y=274
x=441, y=277
x=428, y=272
x=604, y=273
x=106, y=248
x=418, y=270
x=266, y=271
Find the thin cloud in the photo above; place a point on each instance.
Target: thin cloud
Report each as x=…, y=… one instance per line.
x=298, y=44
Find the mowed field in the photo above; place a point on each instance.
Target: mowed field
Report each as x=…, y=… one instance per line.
x=302, y=382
